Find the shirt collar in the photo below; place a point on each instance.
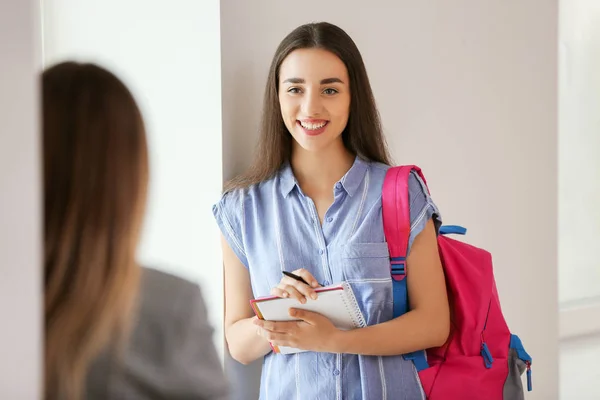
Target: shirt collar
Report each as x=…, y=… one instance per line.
x=349, y=182
x=287, y=180
x=355, y=175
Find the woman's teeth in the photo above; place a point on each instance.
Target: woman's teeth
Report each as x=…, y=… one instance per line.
x=312, y=127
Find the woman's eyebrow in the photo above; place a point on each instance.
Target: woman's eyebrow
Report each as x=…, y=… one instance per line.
x=325, y=81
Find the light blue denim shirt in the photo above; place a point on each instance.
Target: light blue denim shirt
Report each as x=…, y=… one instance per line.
x=273, y=226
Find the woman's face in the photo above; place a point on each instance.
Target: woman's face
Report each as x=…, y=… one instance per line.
x=314, y=97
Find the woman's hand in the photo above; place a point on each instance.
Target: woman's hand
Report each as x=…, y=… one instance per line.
x=290, y=287
x=312, y=332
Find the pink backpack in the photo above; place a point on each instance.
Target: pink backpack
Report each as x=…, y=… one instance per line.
x=481, y=358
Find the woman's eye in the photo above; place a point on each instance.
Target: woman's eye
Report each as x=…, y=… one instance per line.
x=293, y=90
x=330, y=91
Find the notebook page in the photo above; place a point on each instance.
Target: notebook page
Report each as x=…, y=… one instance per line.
x=336, y=303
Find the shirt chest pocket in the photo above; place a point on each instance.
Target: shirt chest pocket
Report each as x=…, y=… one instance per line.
x=366, y=266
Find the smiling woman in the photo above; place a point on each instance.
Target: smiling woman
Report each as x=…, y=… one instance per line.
x=321, y=162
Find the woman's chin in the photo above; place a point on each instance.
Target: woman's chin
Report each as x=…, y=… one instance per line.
x=317, y=144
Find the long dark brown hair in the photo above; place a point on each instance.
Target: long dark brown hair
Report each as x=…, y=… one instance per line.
x=95, y=183
x=363, y=134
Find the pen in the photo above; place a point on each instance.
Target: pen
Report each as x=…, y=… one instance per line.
x=296, y=277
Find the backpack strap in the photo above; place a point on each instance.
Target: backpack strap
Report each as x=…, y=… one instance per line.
x=396, y=226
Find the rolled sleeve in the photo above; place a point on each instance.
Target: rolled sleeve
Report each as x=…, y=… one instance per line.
x=422, y=207
x=229, y=214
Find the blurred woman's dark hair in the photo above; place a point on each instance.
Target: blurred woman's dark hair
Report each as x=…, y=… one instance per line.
x=95, y=184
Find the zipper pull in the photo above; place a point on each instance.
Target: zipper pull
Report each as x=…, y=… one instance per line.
x=487, y=356
x=529, y=385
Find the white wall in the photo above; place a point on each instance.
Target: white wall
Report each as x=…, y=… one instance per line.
x=467, y=89
x=169, y=56
x=20, y=202
x=579, y=372
x=579, y=144
x=579, y=196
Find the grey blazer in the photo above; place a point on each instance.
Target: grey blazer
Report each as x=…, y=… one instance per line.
x=170, y=353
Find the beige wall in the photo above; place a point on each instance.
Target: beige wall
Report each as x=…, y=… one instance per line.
x=467, y=89
x=20, y=202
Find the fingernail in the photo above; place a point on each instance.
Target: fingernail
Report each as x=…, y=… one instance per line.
x=315, y=283
x=292, y=312
x=303, y=300
x=285, y=294
x=313, y=296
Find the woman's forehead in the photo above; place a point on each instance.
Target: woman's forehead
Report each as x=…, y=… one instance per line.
x=312, y=65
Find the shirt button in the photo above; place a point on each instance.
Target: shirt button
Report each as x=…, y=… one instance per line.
x=338, y=185
x=326, y=283
x=336, y=372
x=329, y=219
x=321, y=251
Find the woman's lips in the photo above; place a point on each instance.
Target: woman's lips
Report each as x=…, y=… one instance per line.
x=313, y=127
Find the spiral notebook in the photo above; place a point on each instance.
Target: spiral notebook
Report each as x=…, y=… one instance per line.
x=337, y=303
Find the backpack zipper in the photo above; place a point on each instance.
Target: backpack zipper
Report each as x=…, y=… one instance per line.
x=485, y=351
x=529, y=385
x=517, y=345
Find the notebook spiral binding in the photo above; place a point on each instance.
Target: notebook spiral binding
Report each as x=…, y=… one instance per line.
x=353, y=308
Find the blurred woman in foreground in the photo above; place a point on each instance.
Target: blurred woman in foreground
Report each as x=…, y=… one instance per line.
x=112, y=329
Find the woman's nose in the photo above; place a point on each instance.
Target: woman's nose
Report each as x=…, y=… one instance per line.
x=312, y=104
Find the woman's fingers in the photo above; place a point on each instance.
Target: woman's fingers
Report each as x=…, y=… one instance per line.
x=296, y=290
x=276, y=291
x=278, y=326
x=292, y=288
x=276, y=332
x=307, y=276
x=301, y=287
x=284, y=290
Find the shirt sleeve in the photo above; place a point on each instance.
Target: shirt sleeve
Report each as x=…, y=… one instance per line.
x=422, y=207
x=229, y=214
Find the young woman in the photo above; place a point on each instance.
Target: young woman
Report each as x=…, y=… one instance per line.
x=95, y=180
x=311, y=204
